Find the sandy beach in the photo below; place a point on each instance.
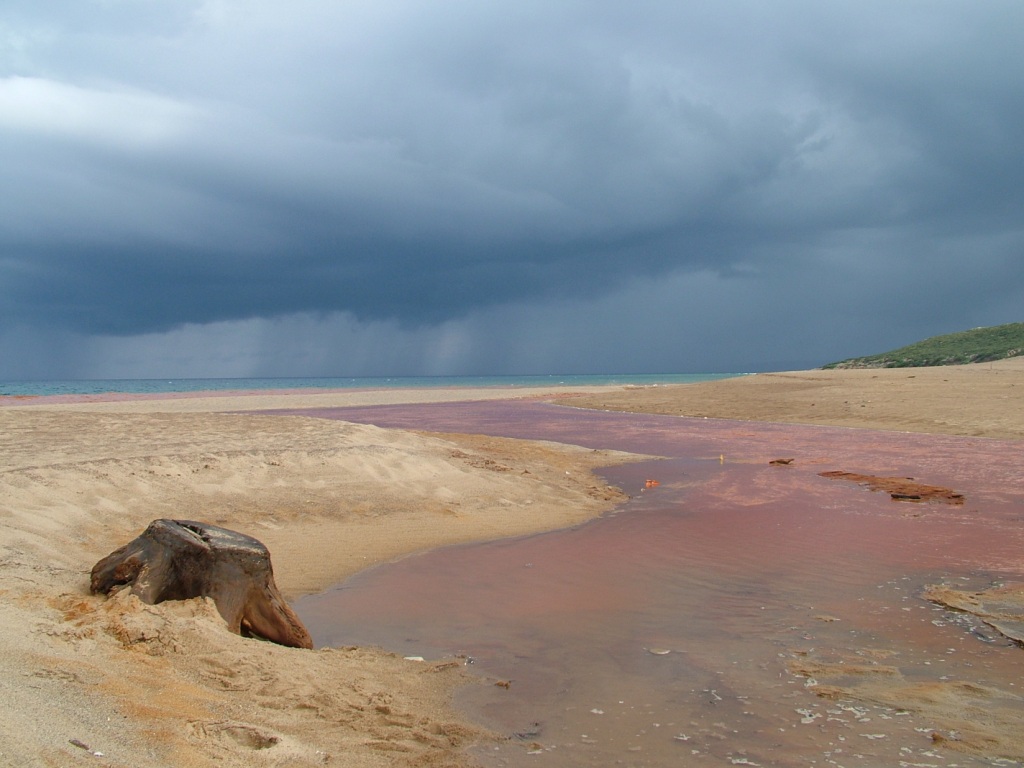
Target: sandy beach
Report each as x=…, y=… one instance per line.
x=169, y=685
x=983, y=400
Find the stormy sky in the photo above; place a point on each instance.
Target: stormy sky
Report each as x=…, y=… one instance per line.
x=329, y=187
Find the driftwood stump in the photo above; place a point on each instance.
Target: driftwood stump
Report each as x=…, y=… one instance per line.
x=182, y=559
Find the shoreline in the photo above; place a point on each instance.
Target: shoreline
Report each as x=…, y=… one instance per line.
x=213, y=401
x=328, y=499
x=114, y=396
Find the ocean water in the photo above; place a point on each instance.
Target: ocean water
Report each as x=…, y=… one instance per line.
x=157, y=386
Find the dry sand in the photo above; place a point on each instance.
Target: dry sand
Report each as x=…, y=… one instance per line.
x=169, y=685
x=986, y=399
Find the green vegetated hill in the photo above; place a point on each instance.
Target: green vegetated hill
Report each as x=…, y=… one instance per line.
x=979, y=345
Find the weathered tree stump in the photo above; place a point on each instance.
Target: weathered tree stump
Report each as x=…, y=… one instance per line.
x=182, y=559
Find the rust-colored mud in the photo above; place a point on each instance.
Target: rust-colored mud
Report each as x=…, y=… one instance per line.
x=733, y=612
x=899, y=488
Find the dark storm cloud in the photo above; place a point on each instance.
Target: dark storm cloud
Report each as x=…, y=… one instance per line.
x=198, y=162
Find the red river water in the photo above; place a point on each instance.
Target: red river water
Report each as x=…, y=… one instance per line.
x=738, y=613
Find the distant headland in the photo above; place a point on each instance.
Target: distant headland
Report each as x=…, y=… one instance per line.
x=978, y=345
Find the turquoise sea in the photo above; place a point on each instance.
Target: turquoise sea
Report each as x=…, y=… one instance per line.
x=151, y=386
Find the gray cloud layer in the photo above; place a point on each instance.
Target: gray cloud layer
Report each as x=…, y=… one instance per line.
x=500, y=188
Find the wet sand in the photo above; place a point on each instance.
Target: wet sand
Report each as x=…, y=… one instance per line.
x=735, y=610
